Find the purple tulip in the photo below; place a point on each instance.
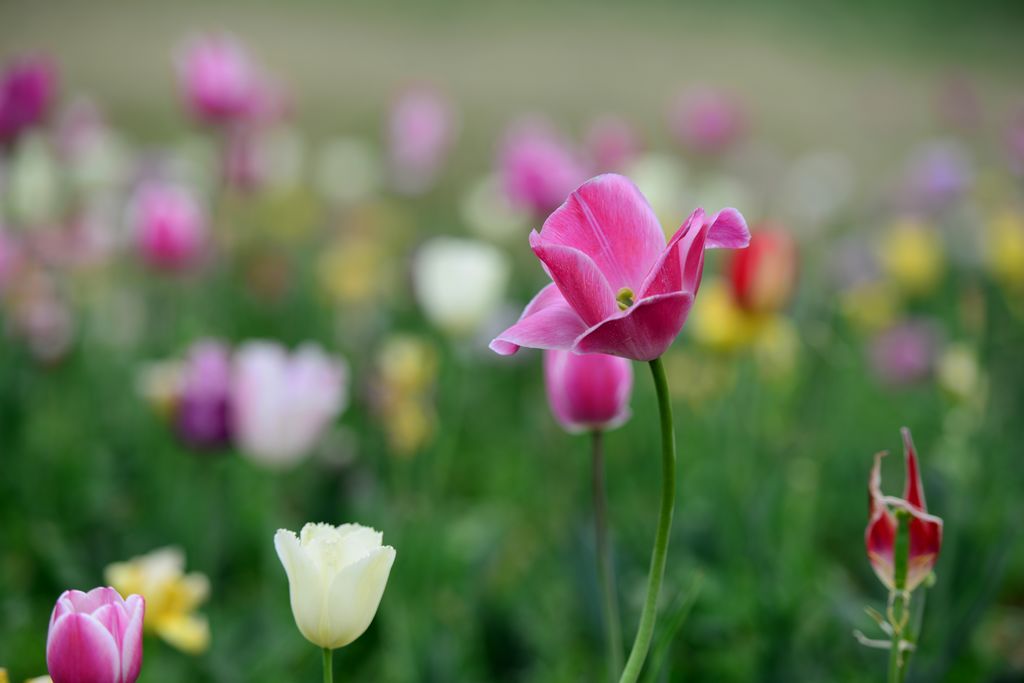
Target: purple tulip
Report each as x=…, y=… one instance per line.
x=938, y=173
x=27, y=92
x=589, y=392
x=421, y=129
x=203, y=412
x=618, y=288
x=95, y=637
x=538, y=168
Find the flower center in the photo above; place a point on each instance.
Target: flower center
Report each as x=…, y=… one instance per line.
x=624, y=298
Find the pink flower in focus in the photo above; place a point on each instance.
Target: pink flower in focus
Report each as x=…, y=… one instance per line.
x=706, y=120
x=537, y=167
x=589, y=392
x=880, y=535
x=618, y=288
x=612, y=143
x=27, y=91
x=219, y=81
x=282, y=403
x=95, y=637
x=202, y=417
x=421, y=130
x=169, y=226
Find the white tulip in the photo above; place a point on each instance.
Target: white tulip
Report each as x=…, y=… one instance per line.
x=336, y=577
x=459, y=283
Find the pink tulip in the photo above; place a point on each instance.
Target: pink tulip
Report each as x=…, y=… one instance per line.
x=169, y=226
x=27, y=92
x=538, y=168
x=706, y=120
x=618, y=288
x=588, y=392
x=95, y=637
x=219, y=81
x=421, y=129
x=203, y=412
x=880, y=536
x=612, y=143
x=905, y=353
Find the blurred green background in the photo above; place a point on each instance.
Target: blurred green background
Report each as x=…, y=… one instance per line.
x=490, y=516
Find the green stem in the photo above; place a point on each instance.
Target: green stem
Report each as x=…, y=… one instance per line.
x=328, y=665
x=605, y=566
x=635, y=663
x=899, y=599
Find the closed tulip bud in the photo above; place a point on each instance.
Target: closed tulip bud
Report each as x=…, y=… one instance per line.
x=763, y=276
x=336, y=578
x=95, y=637
x=27, y=91
x=169, y=226
x=588, y=392
x=925, y=530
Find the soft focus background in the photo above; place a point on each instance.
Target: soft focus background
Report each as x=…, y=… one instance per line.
x=374, y=200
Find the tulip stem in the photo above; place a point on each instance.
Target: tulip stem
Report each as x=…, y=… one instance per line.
x=605, y=565
x=899, y=599
x=328, y=665
x=645, y=631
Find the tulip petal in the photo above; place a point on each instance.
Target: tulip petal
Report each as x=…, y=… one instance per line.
x=643, y=332
x=880, y=534
x=925, y=541
x=728, y=231
x=79, y=648
x=547, y=322
x=187, y=632
x=680, y=266
x=913, y=491
x=305, y=585
x=355, y=595
x=609, y=220
x=131, y=639
x=578, y=278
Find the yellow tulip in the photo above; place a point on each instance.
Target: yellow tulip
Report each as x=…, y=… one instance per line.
x=1005, y=249
x=911, y=255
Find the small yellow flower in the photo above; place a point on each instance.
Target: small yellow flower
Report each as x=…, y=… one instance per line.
x=3, y=676
x=776, y=348
x=911, y=255
x=171, y=596
x=1005, y=249
x=718, y=323
x=870, y=306
x=407, y=369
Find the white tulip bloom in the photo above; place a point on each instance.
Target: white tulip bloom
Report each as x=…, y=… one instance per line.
x=336, y=578
x=459, y=283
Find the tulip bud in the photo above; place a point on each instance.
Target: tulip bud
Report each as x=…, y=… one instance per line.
x=219, y=82
x=925, y=531
x=26, y=93
x=169, y=226
x=763, y=276
x=95, y=637
x=588, y=392
x=336, y=578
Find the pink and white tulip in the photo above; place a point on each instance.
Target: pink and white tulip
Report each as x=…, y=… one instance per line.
x=282, y=403
x=618, y=288
x=589, y=392
x=95, y=637
x=421, y=130
x=169, y=225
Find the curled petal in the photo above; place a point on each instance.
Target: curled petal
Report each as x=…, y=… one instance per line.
x=79, y=649
x=728, y=230
x=609, y=220
x=578, y=278
x=548, y=322
x=643, y=332
x=913, y=491
x=355, y=595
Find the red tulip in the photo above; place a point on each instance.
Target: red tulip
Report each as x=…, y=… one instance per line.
x=925, y=530
x=589, y=392
x=763, y=276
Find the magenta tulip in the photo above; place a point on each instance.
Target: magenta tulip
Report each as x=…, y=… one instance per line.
x=421, y=129
x=618, y=288
x=95, y=637
x=706, y=120
x=169, y=226
x=590, y=392
x=26, y=94
x=880, y=536
x=219, y=82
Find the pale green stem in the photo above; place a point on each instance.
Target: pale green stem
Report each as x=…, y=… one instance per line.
x=328, y=665
x=605, y=565
x=645, y=631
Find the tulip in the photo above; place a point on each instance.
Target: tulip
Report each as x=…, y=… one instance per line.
x=706, y=120
x=538, y=168
x=459, y=283
x=911, y=255
x=95, y=637
x=281, y=403
x=612, y=143
x=938, y=174
x=589, y=392
x=202, y=417
x=763, y=276
x=905, y=353
x=618, y=288
x=169, y=226
x=336, y=578
x=27, y=92
x=421, y=129
x=171, y=596
x=219, y=82
x=925, y=530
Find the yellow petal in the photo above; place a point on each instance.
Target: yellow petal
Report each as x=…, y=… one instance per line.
x=187, y=632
